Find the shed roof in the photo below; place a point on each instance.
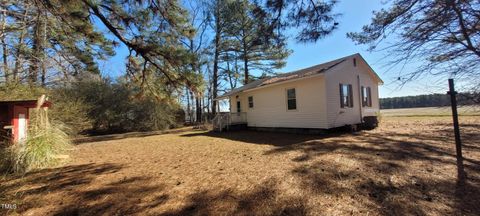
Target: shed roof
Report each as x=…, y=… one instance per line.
x=24, y=103
x=302, y=73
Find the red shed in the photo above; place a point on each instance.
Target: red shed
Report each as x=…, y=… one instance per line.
x=14, y=118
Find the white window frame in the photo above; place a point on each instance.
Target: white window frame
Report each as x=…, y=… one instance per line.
x=348, y=96
x=287, y=98
x=366, y=96
x=253, y=104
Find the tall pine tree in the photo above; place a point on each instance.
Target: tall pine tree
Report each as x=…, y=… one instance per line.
x=247, y=26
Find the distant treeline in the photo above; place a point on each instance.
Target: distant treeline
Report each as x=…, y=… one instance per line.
x=431, y=100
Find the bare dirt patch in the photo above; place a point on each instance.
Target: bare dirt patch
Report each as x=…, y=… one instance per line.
x=405, y=167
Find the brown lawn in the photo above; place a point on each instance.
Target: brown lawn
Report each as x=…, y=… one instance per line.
x=405, y=167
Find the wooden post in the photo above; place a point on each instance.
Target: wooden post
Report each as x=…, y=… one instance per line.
x=456, y=128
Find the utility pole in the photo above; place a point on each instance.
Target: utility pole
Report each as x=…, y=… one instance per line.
x=456, y=128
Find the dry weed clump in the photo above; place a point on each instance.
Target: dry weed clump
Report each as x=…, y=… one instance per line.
x=45, y=145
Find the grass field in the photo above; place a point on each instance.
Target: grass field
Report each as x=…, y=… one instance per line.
x=406, y=166
x=432, y=111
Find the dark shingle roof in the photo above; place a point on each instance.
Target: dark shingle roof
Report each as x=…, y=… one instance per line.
x=306, y=72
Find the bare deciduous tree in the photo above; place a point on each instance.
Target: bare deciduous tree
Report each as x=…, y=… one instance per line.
x=442, y=34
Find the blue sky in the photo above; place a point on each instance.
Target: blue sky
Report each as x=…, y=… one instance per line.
x=355, y=14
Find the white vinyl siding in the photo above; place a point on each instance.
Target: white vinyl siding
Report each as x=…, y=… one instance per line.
x=316, y=98
x=291, y=99
x=243, y=104
x=347, y=73
x=367, y=81
x=271, y=105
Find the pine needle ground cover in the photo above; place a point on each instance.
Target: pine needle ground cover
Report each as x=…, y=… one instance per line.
x=406, y=166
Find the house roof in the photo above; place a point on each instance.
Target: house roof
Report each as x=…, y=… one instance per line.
x=302, y=73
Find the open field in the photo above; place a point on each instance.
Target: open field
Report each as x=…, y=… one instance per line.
x=406, y=166
x=432, y=111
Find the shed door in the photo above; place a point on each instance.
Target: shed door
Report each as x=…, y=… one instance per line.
x=22, y=127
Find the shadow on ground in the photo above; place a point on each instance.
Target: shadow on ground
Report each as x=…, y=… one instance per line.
x=73, y=193
x=262, y=199
x=266, y=138
x=111, y=137
x=383, y=175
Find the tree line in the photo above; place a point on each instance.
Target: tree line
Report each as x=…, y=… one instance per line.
x=428, y=100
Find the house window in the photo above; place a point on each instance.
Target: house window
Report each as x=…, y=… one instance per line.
x=250, y=102
x=346, y=95
x=366, y=97
x=354, y=62
x=291, y=99
x=239, y=109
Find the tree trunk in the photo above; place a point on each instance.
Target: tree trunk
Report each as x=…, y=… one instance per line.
x=20, y=45
x=245, y=58
x=4, y=47
x=188, y=105
x=44, y=41
x=192, y=102
x=5, y=61
x=37, y=47
x=245, y=65
x=198, y=104
x=230, y=75
x=215, y=65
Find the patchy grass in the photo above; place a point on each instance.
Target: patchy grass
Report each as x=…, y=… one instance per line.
x=406, y=166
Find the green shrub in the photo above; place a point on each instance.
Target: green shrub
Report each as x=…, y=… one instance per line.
x=114, y=107
x=73, y=113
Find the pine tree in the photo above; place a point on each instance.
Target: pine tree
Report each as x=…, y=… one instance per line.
x=218, y=22
x=313, y=19
x=247, y=26
x=57, y=47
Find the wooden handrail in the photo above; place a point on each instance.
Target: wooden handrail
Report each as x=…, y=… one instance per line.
x=225, y=120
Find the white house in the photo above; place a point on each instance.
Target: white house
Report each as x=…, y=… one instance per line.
x=333, y=94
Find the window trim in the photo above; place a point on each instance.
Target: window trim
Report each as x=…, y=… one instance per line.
x=366, y=96
x=363, y=89
x=369, y=98
x=350, y=102
x=287, y=99
x=252, y=103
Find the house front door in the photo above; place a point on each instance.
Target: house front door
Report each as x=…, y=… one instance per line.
x=239, y=109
